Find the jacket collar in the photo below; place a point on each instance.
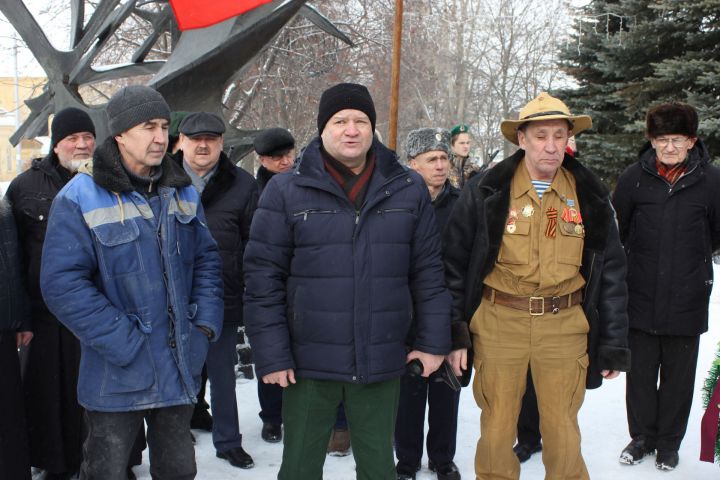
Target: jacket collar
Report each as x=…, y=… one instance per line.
x=48, y=165
x=445, y=195
x=310, y=163
x=500, y=176
x=263, y=176
x=592, y=195
x=221, y=181
x=108, y=172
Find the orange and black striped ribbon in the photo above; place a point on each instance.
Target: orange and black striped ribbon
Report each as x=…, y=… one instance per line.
x=552, y=215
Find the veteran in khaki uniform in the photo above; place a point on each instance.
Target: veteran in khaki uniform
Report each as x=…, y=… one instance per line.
x=537, y=274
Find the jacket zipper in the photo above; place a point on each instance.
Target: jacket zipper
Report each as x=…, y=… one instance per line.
x=305, y=213
x=395, y=210
x=670, y=187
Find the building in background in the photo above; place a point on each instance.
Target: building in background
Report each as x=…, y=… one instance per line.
x=27, y=87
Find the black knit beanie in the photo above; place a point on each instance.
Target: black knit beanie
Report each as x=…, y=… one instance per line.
x=68, y=121
x=134, y=105
x=342, y=96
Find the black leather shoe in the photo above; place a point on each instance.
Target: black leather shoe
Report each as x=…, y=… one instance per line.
x=271, y=432
x=405, y=471
x=445, y=471
x=525, y=450
x=201, y=420
x=237, y=457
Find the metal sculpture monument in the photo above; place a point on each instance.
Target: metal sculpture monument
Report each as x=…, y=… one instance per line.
x=192, y=78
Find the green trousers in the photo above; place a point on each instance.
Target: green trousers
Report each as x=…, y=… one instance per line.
x=309, y=410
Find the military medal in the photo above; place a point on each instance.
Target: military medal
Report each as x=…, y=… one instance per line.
x=578, y=229
x=528, y=211
x=511, y=221
x=552, y=215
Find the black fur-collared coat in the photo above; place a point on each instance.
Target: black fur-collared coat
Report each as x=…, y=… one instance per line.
x=472, y=241
x=54, y=417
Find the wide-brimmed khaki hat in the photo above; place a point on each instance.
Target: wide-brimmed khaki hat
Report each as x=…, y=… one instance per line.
x=544, y=107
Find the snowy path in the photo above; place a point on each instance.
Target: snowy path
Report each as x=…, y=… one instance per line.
x=602, y=421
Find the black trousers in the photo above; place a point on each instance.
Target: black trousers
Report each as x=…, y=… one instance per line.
x=415, y=393
x=111, y=436
x=659, y=412
x=528, y=426
x=270, y=396
x=14, y=456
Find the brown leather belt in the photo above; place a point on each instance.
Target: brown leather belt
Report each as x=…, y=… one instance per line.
x=533, y=305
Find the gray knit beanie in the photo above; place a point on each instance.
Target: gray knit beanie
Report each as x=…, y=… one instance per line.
x=427, y=140
x=134, y=105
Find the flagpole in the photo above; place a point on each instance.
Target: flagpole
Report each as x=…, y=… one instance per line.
x=395, y=75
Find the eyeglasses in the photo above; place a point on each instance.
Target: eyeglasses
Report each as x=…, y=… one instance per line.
x=678, y=142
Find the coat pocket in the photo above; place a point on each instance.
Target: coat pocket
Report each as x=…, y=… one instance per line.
x=138, y=376
x=198, y=346
x=185, y=237
x=578, y=394
x=118, y=249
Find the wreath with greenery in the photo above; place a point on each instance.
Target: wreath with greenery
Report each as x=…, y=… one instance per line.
x=707, y=390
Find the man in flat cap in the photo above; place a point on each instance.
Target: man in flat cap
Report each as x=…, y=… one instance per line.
x=54, y=416
x=344, y=256
x=428, y=151
x=537, y=273
x=229, y=196
x=275, y=148
x=130, y=267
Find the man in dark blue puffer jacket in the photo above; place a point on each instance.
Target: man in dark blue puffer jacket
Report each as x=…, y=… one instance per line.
x=344, y=256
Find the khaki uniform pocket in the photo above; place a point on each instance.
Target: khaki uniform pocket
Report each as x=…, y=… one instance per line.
x=515, y=248
x=570, y=244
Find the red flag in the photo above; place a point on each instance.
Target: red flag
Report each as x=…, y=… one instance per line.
x=199, y=14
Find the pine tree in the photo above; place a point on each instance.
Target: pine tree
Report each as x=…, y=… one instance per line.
x=629, y=55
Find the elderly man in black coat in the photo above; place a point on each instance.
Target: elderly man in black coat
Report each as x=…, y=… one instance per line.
x=668, y=211
x=14, y=331
x=54, y=415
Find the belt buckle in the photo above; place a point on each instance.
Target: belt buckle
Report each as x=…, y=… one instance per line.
x=530, y=306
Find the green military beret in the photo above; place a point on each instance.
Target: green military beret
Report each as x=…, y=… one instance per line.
x=458, y=129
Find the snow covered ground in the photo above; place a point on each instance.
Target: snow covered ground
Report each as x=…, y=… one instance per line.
x=602, y=421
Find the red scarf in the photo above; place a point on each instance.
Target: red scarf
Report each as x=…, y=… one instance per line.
x=671, y=173
x=354, y=185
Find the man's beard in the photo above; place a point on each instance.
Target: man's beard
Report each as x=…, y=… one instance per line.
x=74, y=165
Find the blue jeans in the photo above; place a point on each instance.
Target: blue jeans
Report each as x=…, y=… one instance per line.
x=111, y=436
x=220, y=363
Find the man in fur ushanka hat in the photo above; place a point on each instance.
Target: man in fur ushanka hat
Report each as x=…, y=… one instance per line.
x=668, y=210
x=428, y=151
x=537, y=274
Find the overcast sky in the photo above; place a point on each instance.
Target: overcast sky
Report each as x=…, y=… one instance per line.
x=55, y=25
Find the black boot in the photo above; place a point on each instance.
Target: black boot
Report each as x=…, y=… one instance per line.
x=524, y=451
x=635, y=451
